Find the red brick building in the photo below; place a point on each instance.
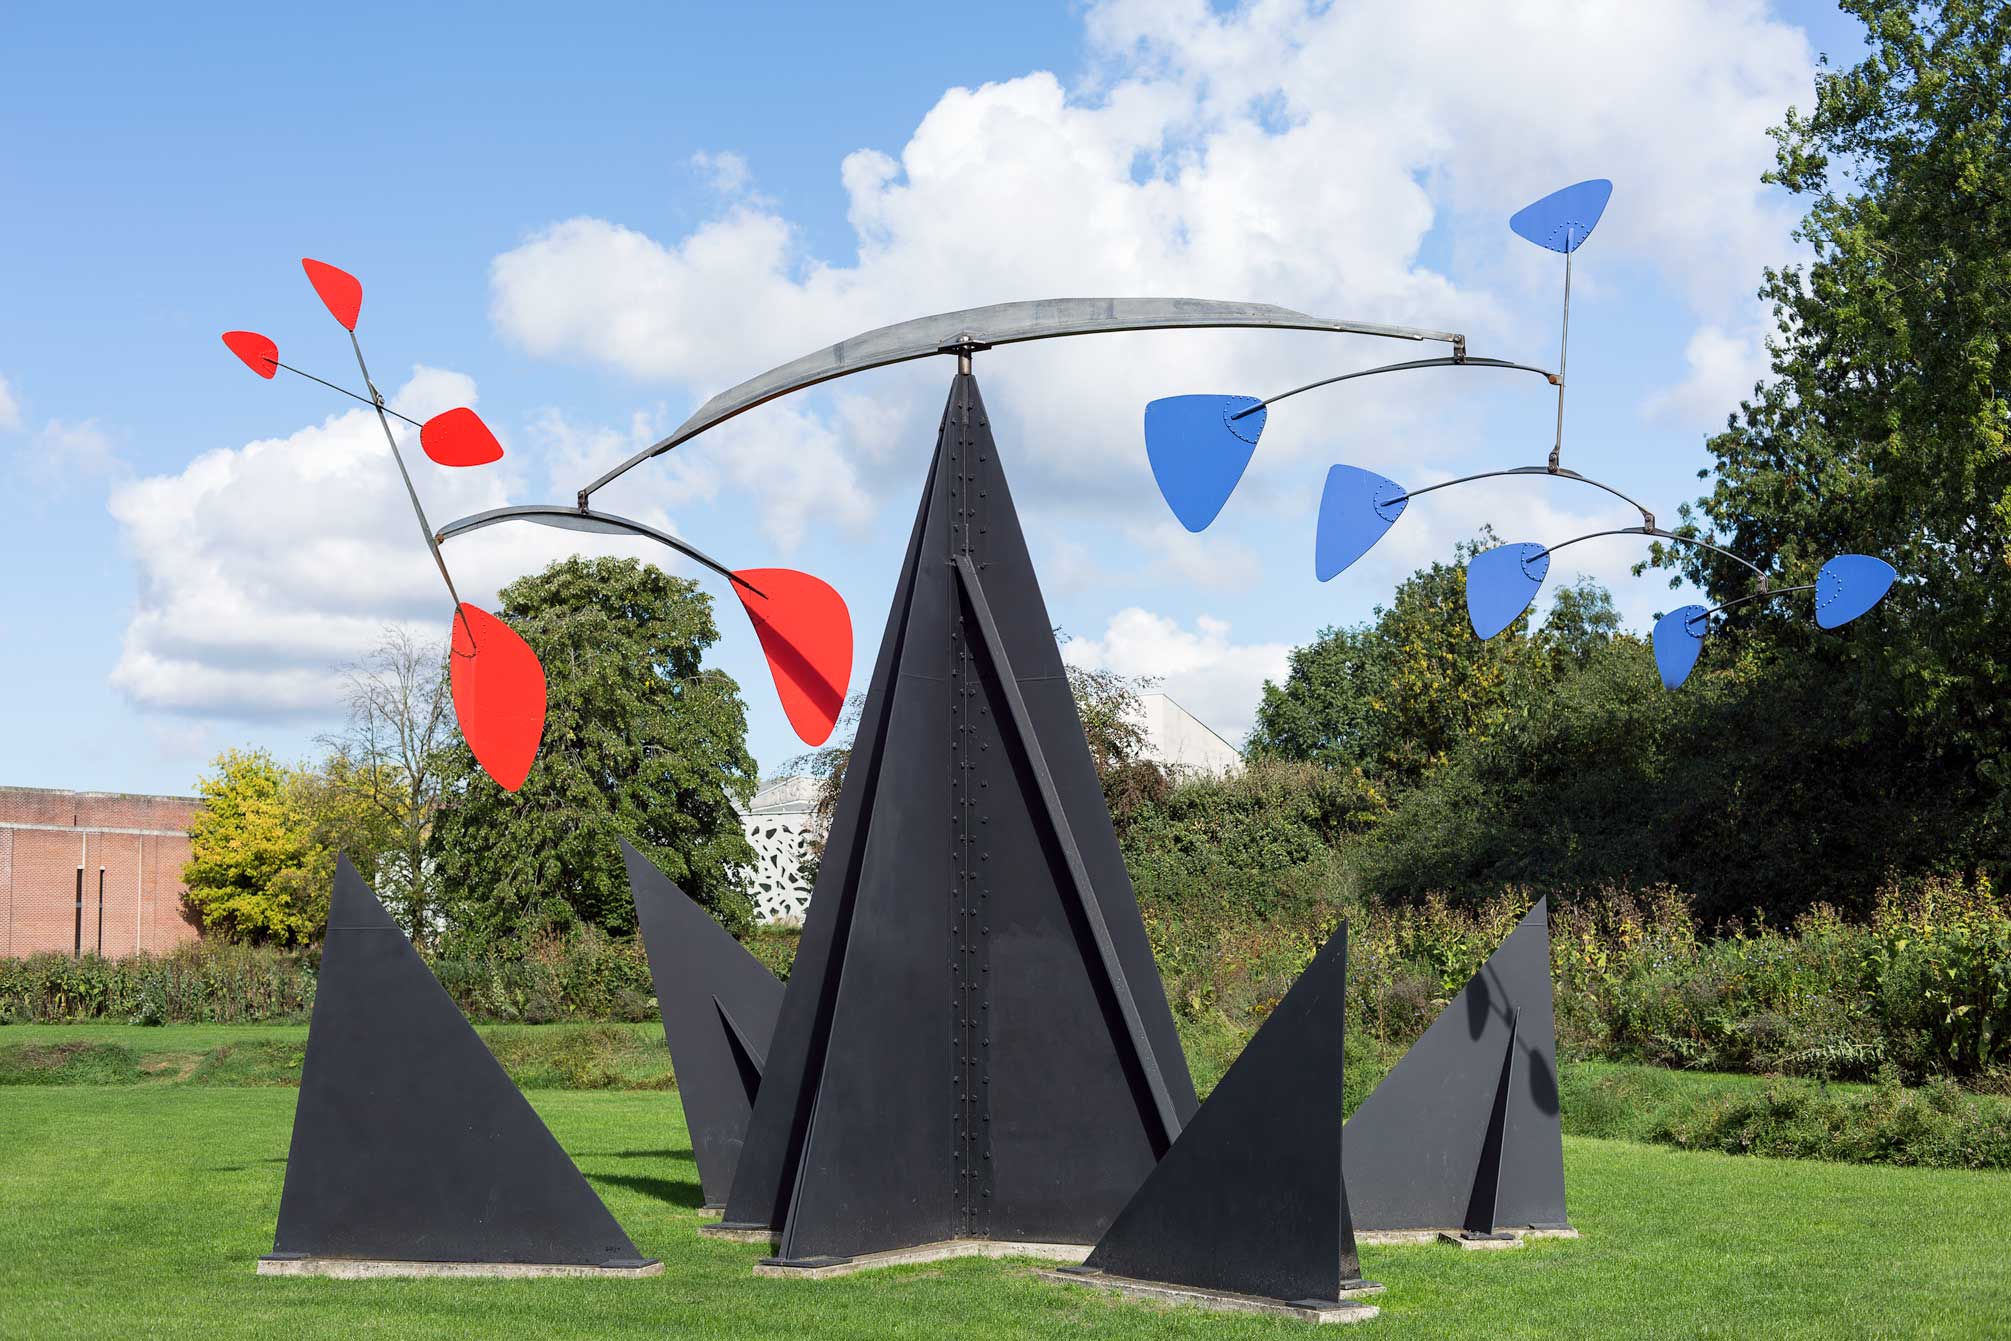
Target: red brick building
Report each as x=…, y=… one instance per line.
x=130, y=847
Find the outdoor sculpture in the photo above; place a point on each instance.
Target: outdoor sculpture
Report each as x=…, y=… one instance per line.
x=1016, y=1083
x=1249, y=1206
x=413, y=1152
x=1199, y=445
x=497, y=684
x=1464, y=1135
x=718, y=1004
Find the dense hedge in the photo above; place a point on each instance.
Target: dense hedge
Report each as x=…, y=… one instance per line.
x=587, y=976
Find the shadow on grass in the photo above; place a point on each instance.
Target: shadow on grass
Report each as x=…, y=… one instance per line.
x=675, y=1191
x=681, y=1156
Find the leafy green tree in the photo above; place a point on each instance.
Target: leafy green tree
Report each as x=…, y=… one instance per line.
x=253, y=852
x=641, y=741
x=1394, y=696
x=1884, y=426
x=1581, y=621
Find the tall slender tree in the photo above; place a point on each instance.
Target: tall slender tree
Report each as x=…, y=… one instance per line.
x=390, y=755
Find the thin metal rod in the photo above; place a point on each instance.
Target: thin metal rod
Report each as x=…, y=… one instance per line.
x=1563, y=351
x=347, y=392
x=425, y=527
x=572, y=519
x=1647, y=517
x=1397, y=367
x=1761, y=595
x=1659, y=534
x=1078, y=874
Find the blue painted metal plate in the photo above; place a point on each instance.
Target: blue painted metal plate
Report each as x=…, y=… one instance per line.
x=1198, y=449
x=1563, y=219
x=1849, y=585
x=1500, y=584
x=1356, y=507
x=1678, y=638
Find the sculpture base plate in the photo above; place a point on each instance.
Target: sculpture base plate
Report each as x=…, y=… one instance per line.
x=741, y=1234
x=823, y=1268
x=373, y=1268
x=1347, y=1308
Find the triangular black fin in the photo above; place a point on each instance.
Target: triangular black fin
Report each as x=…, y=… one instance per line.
x=1250, y=1199
x=410, y=1143
x=979, y=1042
x=1417, y=1146
x=708, y=987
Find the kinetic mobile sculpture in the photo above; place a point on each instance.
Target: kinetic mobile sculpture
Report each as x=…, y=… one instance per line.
x=1017, y=1082
x=1199, y=446
x=498, y=686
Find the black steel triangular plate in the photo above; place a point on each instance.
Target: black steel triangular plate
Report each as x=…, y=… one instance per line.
x=1417, y=1145
x=410, y=1143
x=708, y=989
x=1250, y=1199
x=974, y=1041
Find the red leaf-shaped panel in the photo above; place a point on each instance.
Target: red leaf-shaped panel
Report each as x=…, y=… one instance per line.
x=459, y=438
x=499, y=695
x=806, y=632
x=259, y=354
x=340, y=291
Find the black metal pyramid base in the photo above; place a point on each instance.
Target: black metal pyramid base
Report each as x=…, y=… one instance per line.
x=410, y=1144
x=1250, y=1200
x=974, y=1043
x=1464, y=1134
x=718, y=1004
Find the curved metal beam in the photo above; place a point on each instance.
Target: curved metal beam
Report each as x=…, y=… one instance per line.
x=1544, y=373
x=999, y=324
x=1659, y=534
x=1647, y=517
x=603, y=523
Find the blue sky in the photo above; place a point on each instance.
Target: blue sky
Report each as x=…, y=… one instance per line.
x=587, y=223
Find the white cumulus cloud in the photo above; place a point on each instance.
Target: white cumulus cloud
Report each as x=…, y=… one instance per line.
x=1201, y=668
x=264, y=568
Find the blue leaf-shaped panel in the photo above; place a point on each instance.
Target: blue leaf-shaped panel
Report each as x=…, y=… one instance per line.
x=1500, y=584
x=1563, y=219
x=1198, y=447
x=1849, y=585
x=1356, y=507
x=1679, y=637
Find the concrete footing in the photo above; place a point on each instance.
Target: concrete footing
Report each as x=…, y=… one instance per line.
x=1348, y=1308
x=369, y=1268
x=1386, y=1238
x=1481, y=1242
x=735, y=1234
x=823, y=1268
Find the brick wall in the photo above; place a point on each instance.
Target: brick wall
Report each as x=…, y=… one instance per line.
x=140, y=843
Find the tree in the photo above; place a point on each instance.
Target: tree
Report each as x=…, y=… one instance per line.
x=641, y=742
x=1883, y=428
x=1111, y=713
x=389, y=758
x=252, y=851
x=1394, y=696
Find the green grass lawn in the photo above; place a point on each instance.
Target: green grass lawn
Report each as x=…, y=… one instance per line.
x=138, y=1210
